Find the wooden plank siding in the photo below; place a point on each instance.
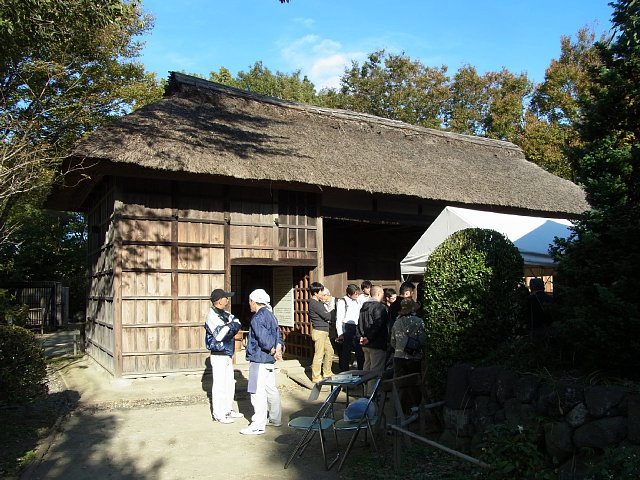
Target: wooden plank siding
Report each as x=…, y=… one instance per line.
x=102, y=253
x=158, y=249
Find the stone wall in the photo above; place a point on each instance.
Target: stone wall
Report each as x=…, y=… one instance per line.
x=577, y=418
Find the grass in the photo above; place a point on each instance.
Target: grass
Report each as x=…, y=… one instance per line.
x=417, y=462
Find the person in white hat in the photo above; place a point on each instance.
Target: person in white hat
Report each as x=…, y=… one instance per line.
x=264, y=347
x=221, y=328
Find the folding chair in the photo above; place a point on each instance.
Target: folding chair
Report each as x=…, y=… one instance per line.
x=365, y=422
x=323, y=420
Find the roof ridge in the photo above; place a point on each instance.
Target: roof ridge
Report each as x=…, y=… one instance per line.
x=176, y=79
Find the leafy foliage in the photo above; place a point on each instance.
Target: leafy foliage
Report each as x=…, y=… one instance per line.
x=620, y=463
x=471, y=298
x=550, y=130
x=23, y=369
x=65, y=68
x=261, y=80
x=10, y=311
x=512, y=451
x=396, y=87
x=598, y=282
x=47, y=246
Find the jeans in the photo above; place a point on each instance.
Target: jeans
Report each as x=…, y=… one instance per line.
x=350, y=344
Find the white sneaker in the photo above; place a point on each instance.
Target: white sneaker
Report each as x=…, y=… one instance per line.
x=234, y=414
x=252, y=431
x=224, y=420
x=274, y=424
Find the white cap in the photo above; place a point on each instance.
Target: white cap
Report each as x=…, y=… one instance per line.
x=260, y=296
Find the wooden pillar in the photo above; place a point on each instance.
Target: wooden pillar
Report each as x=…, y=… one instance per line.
x=320, y=244
x=275, y=252
x=117, y=283
x=174, y=269
x=227, y=240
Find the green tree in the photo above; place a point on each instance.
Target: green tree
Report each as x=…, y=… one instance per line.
x=550, y=125
x=468, y=102
x=46, y=246
x=65, y=68
x=598, y=282
x=396, y=87
x=261, y=80
x=505, y=109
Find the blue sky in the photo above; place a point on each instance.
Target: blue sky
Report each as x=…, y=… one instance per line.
x=321, y=37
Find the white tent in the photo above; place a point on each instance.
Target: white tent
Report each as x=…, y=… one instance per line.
x=531, y=235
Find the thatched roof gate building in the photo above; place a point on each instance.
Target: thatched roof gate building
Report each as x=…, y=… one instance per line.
x=217, y=187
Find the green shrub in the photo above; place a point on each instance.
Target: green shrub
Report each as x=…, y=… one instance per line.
x=23, y=369
x=617, y=463
x=10, y=312
x=471, y=299
x=513, y=452
x=522, y=354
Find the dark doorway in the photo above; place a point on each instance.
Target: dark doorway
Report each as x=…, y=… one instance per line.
x=244, y=280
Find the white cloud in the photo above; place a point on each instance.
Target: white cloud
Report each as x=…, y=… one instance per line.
x=322, y=60
x=305, y=22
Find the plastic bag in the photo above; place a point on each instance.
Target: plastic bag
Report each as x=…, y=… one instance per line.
x=356, y=410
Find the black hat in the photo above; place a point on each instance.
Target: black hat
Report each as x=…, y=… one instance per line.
x=218, y=293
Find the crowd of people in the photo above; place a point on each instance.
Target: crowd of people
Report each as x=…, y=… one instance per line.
x=374, y=329
x=369, y=328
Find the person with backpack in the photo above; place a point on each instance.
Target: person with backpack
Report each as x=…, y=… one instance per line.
x=373, y=325
x=347, y=314
x=220, y=329
x=408, y=338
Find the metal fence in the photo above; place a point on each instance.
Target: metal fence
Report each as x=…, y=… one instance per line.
x=48, y=303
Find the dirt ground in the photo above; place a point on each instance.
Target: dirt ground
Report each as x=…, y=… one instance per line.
x=161, y=428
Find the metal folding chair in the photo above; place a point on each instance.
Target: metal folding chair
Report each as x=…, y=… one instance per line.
x=366, y=422
x=323, y=420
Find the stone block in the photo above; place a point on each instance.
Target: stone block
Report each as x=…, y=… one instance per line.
x=578, y=416
x=482, y=380
x=548, y=401
x=458, y=421
x=525, y=388
x=504, y=386
x=457, y=395
x=633, y=419
x=602, y=433
x=569, y=395
x=558, y=440
x=603, y=401
x=517, y=413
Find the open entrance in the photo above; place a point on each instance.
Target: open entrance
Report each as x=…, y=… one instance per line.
x=356, y=251
x=288, y=287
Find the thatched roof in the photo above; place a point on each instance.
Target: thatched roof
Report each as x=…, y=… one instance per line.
x=207, y=129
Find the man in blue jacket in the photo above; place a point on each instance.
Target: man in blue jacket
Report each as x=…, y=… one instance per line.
x=221, y=328
x=264, y=347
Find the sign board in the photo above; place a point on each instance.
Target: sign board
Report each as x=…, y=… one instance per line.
x=282, y=299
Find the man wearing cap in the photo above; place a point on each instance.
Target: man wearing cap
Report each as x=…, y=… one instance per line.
x=221, y=328
x=264, y=347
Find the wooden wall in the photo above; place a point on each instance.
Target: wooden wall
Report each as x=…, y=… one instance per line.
x=158, y=249
x=102, y=254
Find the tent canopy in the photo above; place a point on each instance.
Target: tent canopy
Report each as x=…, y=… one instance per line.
x=531, y=235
